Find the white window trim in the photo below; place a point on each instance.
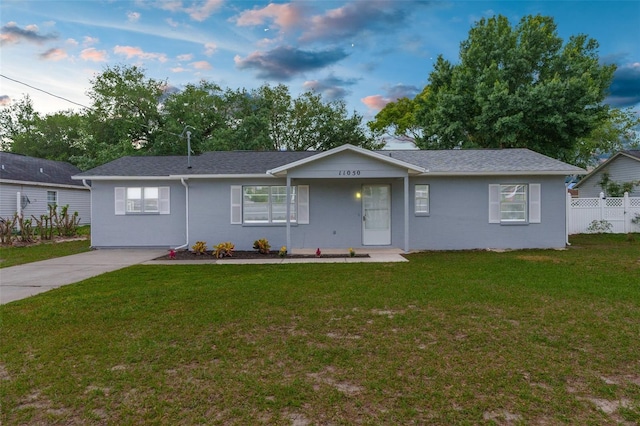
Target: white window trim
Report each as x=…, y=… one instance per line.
x=533, y=204
x=237, y=200
x=56, y=203
x=415, y=199
x=120, y=201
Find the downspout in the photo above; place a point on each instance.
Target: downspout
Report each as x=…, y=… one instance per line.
x=567, y=217
x=289, y=213
x=186, y=244
x=86, y=185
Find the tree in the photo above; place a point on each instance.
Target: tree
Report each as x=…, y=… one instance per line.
x=125, y=115
x=398, y=120
x=58, y=136
x=516, y=87
x=619, y=131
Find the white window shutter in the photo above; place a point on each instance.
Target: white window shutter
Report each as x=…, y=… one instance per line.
x=303, y=204
x=120, y=200
x=494, y=203
x=534, y=203
x=236, y=204
x=164, y=204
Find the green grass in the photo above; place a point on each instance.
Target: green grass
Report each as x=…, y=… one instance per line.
x=523, y=337
x=12, y=256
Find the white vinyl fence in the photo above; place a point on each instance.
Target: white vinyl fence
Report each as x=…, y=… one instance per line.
x=617, y=211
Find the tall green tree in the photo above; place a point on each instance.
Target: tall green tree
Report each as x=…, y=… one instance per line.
x=516, y=87
x=398, y=120
x=59, y=136
x=621, y=130
x=124, y=117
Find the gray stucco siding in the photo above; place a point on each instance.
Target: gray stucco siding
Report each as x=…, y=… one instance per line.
x=210, y=215
x=459, y=219
x=136, y=230
x=347, y=165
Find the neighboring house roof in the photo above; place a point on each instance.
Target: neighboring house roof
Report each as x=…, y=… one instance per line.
x=633, y=154
x=234, y=163
x=22, y=169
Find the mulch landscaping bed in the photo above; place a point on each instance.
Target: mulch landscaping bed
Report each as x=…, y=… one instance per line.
x=189, y=255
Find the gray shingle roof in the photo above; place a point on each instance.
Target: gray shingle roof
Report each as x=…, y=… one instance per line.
x=30, y=169
x=258, y=162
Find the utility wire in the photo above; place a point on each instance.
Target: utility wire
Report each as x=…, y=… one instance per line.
x=43, y=91
x=89, y=108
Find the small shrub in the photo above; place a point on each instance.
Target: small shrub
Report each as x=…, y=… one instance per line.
x=6, y=229
x=352, y=252
x=223, y=249
x=262, y=245
x=66, y=223
x=599, y=227
x=200, y=247
x=283, y=251
x=26, y=229
x=636, y=219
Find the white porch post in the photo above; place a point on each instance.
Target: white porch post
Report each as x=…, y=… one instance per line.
x=288, y=213
x=406, y=213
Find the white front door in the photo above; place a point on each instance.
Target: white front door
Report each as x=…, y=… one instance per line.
x=376, y=215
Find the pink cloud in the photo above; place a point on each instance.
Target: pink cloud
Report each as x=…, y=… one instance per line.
x=178, y=69
x=201, y=65
x=54, y=54
x=136, y=52
x=91, y=54
x=375, y=102
x=283, y=15
x=5, y=100
x=185, y=57
x=202, y=11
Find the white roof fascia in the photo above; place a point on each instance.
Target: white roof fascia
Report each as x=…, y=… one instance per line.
x=30, y=183
x=177, y=177
x=224, y=176
x=411, y=167
x=122, y=178
x=508, y=173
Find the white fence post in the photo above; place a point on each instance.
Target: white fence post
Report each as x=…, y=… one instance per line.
x=601, y=204
x=626, y=205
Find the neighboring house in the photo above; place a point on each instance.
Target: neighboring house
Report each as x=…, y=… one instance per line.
x=623, y=166
x=341, y=198
x=28, y=185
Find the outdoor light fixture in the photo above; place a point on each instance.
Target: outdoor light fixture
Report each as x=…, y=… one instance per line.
x=358, y=195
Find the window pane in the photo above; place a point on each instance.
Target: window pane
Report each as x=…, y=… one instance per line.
x=151, y=199
x=422, y=198
x=134, y=200
x=513, y=203
x=52, y=198
x=279, y=204
x=255, y=207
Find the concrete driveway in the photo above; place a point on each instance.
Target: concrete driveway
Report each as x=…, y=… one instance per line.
x=19, y=282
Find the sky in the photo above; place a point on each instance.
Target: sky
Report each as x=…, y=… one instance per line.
x=365, y=52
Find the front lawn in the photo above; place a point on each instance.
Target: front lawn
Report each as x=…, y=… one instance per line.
x=12, y=256
x=523, y=337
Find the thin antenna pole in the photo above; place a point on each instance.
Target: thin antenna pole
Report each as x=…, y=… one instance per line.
x=188, y=149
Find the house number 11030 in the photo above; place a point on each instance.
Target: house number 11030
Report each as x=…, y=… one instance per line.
x=348, y=172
